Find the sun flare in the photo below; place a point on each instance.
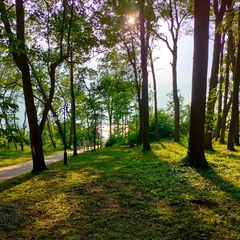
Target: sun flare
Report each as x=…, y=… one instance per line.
x=131, y=20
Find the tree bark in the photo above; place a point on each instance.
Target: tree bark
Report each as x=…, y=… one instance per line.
x=144, y=49
x=157, y=137
x=212, y=96
x=195, y=155
x=227, y=100
x=20, y=57
x=235, y=104
x=73, y=107
x=176, y=133
x=220, y=93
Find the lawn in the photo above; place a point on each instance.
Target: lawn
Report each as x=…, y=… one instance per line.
x=124, y=193
x=10, y=157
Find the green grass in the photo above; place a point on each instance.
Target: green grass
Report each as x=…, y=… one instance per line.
x=124, y=193
x=10, y=157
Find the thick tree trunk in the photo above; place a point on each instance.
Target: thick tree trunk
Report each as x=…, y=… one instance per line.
x=144, y=49
x=21, y=60
x=235, y=104
x=35, y=132
x=196, y=156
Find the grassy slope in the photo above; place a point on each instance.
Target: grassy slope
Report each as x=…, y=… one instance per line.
x=123, y=193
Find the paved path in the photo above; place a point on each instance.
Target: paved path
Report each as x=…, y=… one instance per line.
x=21, y=168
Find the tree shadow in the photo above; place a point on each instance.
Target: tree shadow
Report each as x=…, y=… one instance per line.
x=5, y=185
x=230, y=189
x=117, y=194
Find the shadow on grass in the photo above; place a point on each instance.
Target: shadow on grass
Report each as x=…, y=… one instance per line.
x=11, y=183
x=117, y=193
x=229, y=188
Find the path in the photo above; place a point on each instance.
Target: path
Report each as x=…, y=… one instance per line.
x=21, y=168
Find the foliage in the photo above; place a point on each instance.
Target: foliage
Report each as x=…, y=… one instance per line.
x=184, y=113
x=115, y=140
x=125, y=193
x=165, y=125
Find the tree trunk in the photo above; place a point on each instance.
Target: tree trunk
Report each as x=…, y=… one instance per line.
x=144, y=49
x=212, y=96
x=133, y=61
x=176, y=134
x=20, y=58
x=235, y=104
x=157, y=137
x=196, y=156
x=44, y=96
x=226, y=103
x=51, y=133
x=73, y=108
x=220, y=95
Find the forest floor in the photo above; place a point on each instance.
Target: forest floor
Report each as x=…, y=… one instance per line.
x=124, y=193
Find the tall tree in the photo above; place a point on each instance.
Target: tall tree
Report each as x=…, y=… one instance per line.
x=235, y=104
x=230, y=62
x=154, y=95
x=195, y=155
x=19, y=53
x=212, y=96
x=144, y=38
x=173, y=12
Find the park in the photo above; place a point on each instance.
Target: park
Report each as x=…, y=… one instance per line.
x=85, y=150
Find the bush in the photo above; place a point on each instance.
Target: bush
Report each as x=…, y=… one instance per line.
x=114, y=140
x=165, y=126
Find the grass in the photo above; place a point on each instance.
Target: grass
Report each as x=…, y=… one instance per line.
x=124, y=193
x=10, y=157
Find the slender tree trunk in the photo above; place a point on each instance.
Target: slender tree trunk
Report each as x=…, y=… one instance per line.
x=175, y=95
x=212, y=96
x=44, y=96
x=133, y=61
x=73, y=108
x=237, y=132
x=196, y=156
x=227, y=101
x=155, y=97
x=220, y=95
x=51, y=133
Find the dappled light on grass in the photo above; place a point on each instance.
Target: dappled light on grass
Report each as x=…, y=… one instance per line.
x=124, y=193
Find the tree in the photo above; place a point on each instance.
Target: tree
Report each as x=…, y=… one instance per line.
x=174, y=12
x=212, y=96
x=230, y=62
x=235, y=104
x=144, y=38
x=18, y=50
x=157, y=135
x=195, y=155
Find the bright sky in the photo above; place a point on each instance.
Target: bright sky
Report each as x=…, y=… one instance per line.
x=184, y=70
